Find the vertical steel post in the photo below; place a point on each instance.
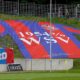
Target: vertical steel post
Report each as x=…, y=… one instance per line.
x=76, y=11
x=55, y=9
x=2, y=6
x=18, y=6
x=50, y=35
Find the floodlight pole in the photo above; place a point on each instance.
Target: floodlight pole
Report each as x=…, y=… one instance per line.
x=50, y=35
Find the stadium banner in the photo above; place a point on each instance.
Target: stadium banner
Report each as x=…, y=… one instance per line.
x=6, y=56
x=34, y=38
x=14, y=67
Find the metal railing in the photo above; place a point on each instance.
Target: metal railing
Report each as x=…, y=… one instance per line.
x=43, y=10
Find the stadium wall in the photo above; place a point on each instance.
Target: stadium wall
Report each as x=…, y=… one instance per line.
x=41, y=64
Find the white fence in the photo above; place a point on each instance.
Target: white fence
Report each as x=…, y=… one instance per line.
x=32, y=9
x=41, y=64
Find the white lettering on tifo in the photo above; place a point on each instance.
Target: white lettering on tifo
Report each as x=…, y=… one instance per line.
x=48, y=40
x=3, y=56
x=29, y=42
x=28, y=37
x=62, y=37
x=21, y=34
x=64, y=40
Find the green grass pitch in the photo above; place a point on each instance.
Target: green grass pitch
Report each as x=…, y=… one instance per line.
x=39, y=76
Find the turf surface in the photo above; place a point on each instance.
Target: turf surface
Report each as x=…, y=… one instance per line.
x=39, y=76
